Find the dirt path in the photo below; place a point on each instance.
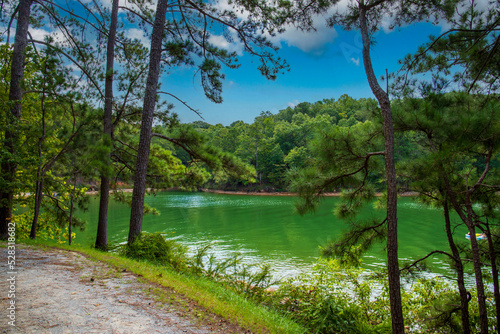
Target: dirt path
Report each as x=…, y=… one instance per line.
x=58, y=291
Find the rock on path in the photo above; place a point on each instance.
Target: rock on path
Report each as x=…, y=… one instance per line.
x=60, y=291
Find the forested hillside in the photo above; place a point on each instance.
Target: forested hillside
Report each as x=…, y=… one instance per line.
x=276, y=144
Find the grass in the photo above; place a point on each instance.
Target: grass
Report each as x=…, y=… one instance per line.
x=207, y=294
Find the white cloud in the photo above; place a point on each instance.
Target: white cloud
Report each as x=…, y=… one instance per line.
x=225, y=5
x=386, y=24
x=480, y=5
x=73, y=67
x=355, y=61
x=40, y=34
x=222, y=43
x=130, y=4
x=134, y=33
x=293, y=104
x=313, y=42
x=105, y=3
x=308, y=41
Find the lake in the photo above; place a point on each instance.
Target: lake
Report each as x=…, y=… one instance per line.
x=266, y=229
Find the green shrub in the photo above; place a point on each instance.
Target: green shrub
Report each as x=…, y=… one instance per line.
x=241, y=278
x=334, y=299
x=153, y=247
x=319, y=311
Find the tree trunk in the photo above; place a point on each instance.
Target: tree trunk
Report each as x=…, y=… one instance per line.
x=468, y=219
x=464, y=297
x=147, y=123
x=101, y=241
x=390, y=171
x=71, y=206
x=8, y=168
x=476, y=260
x=494, y=274
x=481, y=296
x=40, y=174
x=38, y=204
x=102, y=225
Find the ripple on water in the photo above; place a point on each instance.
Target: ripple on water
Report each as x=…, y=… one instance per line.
x=214, y=200
x=266, y=229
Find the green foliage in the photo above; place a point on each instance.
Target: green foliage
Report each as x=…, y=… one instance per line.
x=456, y=137
x=249, y=281
x=55, y=144
x=153, y=247
x=467, y=53
x=342, y=158
x=335, y=299
x=205, y=263
x=297, y=157
x=48, y=229
x=202, y=160
x=245, y=280
x=340, y=298
x=451, y=134
x=276, y=144
x=321, y=152
x=352, y=200
x=125, y=197
x=430, y=304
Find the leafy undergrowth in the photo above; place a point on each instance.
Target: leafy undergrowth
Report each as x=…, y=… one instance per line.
x=330, y=298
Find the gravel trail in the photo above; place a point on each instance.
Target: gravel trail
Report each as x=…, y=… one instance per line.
x=59, y=291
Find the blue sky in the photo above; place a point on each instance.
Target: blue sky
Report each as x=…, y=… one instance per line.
x=328, y=65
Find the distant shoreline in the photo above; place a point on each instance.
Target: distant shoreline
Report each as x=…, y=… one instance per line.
x=239, y=192
x=96, y=192
x=254, y=193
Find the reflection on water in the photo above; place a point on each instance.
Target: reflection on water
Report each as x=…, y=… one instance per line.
x=266, y=229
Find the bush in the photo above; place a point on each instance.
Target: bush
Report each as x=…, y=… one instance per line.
x=334, y=299
x=153, y=247
x=320, y=311
x=243, y=279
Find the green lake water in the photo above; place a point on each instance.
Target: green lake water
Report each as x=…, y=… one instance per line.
x=266, y=229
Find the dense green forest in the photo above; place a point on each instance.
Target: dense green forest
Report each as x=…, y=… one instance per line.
x=83, y=109
x=276, y=144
